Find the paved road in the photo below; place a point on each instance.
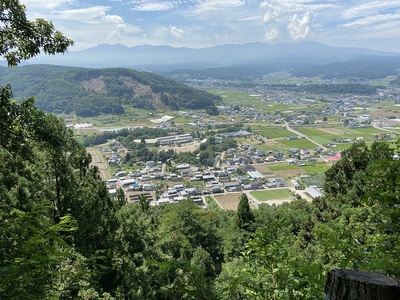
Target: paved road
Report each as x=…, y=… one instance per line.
x=302, y=135
x=375, y=125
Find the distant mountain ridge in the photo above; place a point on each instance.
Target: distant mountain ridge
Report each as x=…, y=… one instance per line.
x=169, y=58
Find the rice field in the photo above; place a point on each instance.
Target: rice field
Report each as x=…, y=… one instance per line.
x=274, y=194
x=316, y=168
x=299, y=143
x=272, y=132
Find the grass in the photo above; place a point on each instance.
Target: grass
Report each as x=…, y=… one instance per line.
x=329, y=134
x=270, y=146
x=316, y=168
x=275, y=194
x=282, y=167
x=299, y=143
x=239, y=98
x=212, y=204
x=182, y=120
x=271, y=132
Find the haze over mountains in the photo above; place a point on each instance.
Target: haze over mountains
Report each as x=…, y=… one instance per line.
x=166, y=58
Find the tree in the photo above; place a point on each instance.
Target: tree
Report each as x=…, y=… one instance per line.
x=144, y=203
x=244, y=216
x=37, y=257
x=22, y=39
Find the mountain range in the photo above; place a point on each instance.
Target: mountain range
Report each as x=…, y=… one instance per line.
x=166, y=58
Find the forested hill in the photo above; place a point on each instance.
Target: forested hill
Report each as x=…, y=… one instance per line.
x=90, y=92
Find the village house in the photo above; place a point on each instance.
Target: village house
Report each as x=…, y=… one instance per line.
x=232, y=186
x=175, y=139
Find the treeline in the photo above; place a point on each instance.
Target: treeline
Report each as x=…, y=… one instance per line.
x=367, y=68
x=339, y=88
x=90, y=92
x=204, y=157
x=345, y=88
x=228, y=73
x=364, y=68
x=396, y=81
x=137, y=133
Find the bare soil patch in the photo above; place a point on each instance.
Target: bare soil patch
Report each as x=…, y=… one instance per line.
x=229, y=201
x=95, y=84
x=287, y=173
x=182, y=148
x=334, y=131
x=262, y=168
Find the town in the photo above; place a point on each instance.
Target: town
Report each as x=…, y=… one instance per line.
x=284, y=141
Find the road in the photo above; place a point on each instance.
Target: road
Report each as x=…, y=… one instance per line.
x=375, y=125
x=303, y=136
x=99, y=161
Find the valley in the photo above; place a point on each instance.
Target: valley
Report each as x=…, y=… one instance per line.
x=289, y=138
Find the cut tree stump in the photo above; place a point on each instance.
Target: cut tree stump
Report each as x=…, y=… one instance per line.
x=360, y=285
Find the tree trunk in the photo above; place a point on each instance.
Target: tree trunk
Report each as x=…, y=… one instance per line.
x=359, y=285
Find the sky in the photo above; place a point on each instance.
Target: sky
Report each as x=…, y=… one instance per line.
x=205, y=23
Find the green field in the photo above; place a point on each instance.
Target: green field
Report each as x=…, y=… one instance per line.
x=316, y=167
x=282, y=167
x=271, y=146
x=240, y=98
x=276, y=194
x=272, y=132
x=299, y=143
x=330, y=134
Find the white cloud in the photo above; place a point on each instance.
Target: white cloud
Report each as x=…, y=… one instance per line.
x=201, y=23
x=153, y=6
x=273, y=13
x=82, y=15
x=299, y=27
x=174, y=31
x=250, y=18
x=370, y=8
x=271, y=34
x=46, y=5
x=373, y=20
x=115, y=19
x=385, y=31
x=288, y=19
x=206, y=6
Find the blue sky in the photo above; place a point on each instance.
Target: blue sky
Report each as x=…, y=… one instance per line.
x=205, y=23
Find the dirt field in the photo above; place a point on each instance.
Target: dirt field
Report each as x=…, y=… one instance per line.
x=334, y=131
x=262, y=168
x=182, y=148
x=228, y=201
x=98, y=160
x=287, y=173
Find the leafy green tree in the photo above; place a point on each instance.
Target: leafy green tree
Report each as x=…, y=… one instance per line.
x=52, y=200
x=244, y=215
x=36, y=259
x=24, y=39
x=144, y=203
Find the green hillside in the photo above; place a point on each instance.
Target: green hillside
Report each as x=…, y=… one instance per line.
x=91, y=92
